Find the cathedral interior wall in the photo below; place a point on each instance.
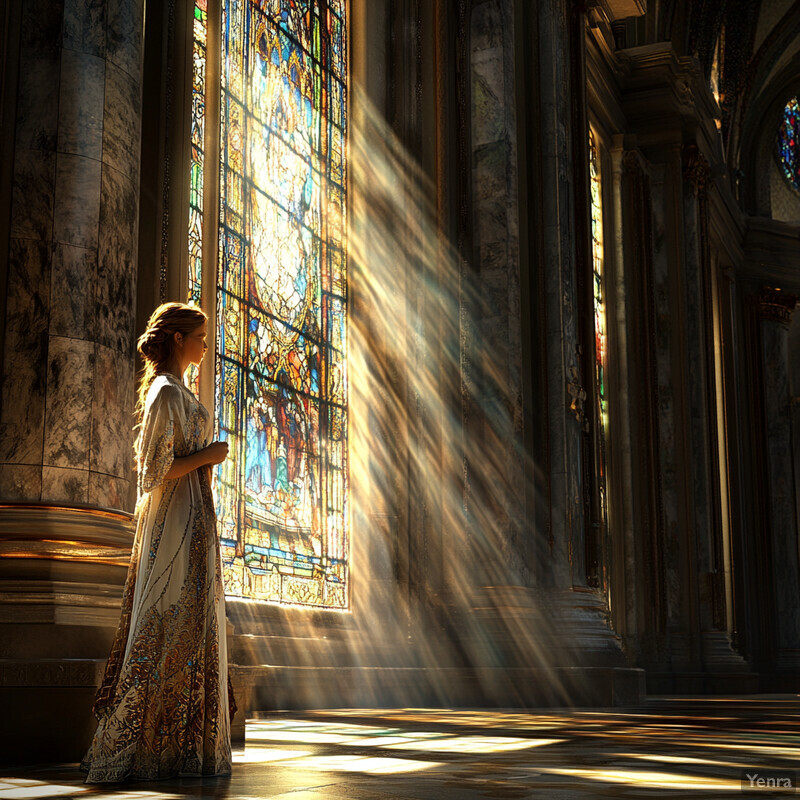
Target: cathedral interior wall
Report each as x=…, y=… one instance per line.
x=510, y=546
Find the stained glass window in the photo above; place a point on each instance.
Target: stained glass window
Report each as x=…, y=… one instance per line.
x=597, y=276
x=199, y=39
x=789, y=143
x=600, y=325
x=200, y=32
x=281, y=338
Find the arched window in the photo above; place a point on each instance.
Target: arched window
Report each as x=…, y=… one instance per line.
x=789, y=143
x=278, y=286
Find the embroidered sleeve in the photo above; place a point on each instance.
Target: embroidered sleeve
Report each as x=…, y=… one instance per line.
x=162, y=417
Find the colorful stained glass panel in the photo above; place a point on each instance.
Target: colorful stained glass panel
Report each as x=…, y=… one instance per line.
x=789, y=143
x=597, y=274
x=281, y=302
x=196, y=220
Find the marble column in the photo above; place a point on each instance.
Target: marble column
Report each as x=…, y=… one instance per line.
x=665, y=193
x=579, y=615
x=497, y=350
x=65, y=429
x=718, y=654
x=775, y=310
x=66, y=481
x=534, y=631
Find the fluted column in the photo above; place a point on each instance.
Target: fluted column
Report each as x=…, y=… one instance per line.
x=775, y=310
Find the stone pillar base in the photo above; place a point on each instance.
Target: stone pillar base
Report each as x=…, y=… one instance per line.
x=719, y=655
x=517, y=626
x=241, y=679
x=787, y=661
x=710, y=683
x=47, y=709
x=583, y=627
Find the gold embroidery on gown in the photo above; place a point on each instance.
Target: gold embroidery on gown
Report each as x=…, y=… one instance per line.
x=164, y=705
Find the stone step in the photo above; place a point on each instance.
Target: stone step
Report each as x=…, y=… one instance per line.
x=264, y=688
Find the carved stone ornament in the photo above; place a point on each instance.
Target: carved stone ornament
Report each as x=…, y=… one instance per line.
x=631, y=162
x=777, y=305
x=696, y=169
x=578, y=395
x=684, y=90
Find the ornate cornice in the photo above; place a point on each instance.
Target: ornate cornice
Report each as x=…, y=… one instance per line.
x=777, y=305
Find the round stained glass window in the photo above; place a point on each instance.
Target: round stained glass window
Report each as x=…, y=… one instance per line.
x=789, y=143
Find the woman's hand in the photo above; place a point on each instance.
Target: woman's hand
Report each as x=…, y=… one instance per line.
x=216, y=452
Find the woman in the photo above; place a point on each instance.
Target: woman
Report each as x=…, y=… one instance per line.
x=163, y=706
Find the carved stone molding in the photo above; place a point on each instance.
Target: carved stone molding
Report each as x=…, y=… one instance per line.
x=696, y=170
x=72, y=524
x=578, y=397
x=620, y=9
x=51, y=672
x=777, y=305
x=62, y=565
x=632, y=163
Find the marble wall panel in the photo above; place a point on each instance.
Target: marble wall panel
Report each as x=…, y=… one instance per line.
x=125, y=25
x=84, y=26
x=107, y=491
x=116, y=273
x=69, y=402
x=77, y=200
x=33, y=193
x=782, y=511
x=23, y=398
x=489, y=114
x=80, y=115
x=490, y=165
x=37, y=101
x=494, y=329
x=492, y=247
x=41, y=28
x=486, y=25
x=74, y=275
x=112, y=414
x=121, y=133
x=794, y=355
x=20, y=482
x=495, y=291
x=62, y=485
x=28, y=290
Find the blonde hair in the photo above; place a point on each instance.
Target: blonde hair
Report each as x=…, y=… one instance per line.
x=157, y=344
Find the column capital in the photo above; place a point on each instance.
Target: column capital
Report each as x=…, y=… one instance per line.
x=775, y=304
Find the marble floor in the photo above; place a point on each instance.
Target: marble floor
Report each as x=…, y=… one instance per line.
x=667, y=747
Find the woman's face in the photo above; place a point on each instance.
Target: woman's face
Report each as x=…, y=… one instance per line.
x=194, y=344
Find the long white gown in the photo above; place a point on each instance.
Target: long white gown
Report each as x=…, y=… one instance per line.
x=163, y=706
